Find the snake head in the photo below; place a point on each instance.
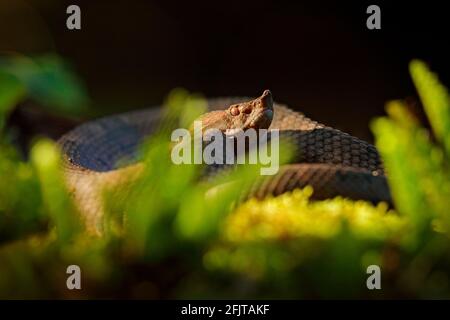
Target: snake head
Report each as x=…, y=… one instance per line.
x=255, y=114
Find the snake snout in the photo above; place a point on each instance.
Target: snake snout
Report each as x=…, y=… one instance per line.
x=266, y=100
x=266, y=93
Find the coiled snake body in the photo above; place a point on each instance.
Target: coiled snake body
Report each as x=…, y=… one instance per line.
x=334, y=163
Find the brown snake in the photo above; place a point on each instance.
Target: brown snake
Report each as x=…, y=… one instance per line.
x=334, y=163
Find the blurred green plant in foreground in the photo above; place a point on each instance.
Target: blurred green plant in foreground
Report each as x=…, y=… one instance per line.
x=47, y=80
x=175, y=238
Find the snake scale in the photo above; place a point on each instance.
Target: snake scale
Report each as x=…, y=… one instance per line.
x=334, y=163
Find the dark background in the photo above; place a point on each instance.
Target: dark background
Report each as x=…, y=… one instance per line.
x=316, y=56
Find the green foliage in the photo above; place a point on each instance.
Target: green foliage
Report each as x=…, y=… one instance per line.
x=20, y=212
x=11, y=92
x=47, y=80
x=418, y=167
x=46, y=161
x=174, y=236
x=436, y=102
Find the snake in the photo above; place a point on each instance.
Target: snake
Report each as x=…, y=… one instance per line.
x=332, y=162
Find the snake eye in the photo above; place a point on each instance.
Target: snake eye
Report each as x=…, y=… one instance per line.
x=234, y=111
x=248, y=110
